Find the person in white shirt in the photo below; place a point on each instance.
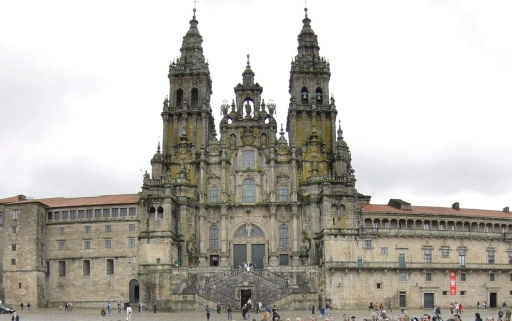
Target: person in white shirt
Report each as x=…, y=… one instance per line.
x=128, y=312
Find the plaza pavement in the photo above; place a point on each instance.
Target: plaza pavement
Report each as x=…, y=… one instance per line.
x=79, y=314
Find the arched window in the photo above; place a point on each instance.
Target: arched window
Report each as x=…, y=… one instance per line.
x=214, y=194
x=319, y=96
x=179, y=98
x=160, y=212
x=283, y=194
x=248, y=159
x=304, y=95
x=248, y=191
x=283, y=236
x=214, y=237
x=194, y=97
x=152, y=212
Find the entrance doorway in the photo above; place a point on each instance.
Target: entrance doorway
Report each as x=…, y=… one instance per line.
x=134, y=294
x=493, y=300
x=428, y=300
x=245, y=295
x=258, y=255
x=402, y=299
x=239, y=255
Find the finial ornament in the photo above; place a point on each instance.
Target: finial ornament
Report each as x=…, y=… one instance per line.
x=248, y=63
x=195, y=2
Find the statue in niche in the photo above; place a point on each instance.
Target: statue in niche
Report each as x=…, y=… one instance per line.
x=264, y=140
x=248, y=108
x=232, y=141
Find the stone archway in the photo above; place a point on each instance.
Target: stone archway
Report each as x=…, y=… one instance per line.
x=249, y=246
x=134, y=291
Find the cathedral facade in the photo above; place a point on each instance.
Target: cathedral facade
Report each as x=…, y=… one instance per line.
x=217, y=201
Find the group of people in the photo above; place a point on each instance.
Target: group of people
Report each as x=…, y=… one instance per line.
x=68, y=307
x=458, y=307
x=380, y=307
x=323, y=310
x=22, y=306
x=109, y=307
x=248, y=266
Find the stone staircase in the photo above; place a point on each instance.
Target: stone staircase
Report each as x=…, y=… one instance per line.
x=266, y=287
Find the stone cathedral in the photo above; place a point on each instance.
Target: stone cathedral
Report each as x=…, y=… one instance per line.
x=243, y=213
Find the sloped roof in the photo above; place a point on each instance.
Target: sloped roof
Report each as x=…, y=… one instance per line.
x=85, y=201
x=441, y=211
x=11, y=199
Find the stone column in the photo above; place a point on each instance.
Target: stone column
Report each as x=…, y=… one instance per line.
x=165, y=138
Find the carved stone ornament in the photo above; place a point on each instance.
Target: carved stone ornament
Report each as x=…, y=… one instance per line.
x=248, y=136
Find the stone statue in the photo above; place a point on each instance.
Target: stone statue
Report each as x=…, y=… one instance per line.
x=232, y=141
x=248, y=108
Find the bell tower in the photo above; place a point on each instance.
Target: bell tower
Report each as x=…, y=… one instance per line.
x=310, y=106
x=187, y=110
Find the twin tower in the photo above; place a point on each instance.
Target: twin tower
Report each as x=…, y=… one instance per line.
x=217, y=195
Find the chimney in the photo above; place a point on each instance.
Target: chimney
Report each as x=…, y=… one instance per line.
x=506, y=209
x=455, y=206
x=22, y=198
x=399, y=204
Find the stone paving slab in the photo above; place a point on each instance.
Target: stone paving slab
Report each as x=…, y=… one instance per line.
x=94, y=314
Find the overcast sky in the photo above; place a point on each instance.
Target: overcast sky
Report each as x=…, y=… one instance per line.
x=423, y=89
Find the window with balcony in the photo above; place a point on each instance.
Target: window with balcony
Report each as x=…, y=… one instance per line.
x=248, y=191
x=427, y=255
x=426, y=226
x=65, y=215
x=106, y=212
x=490, y=256
x=214, y=194
x=72, y=214
x=132, y=211
x=283, y=236
x=97, y=213
x=88, y=214
x=462, y=257
x=124, y=211
x=81, y=214
x=283, y=194
x=115, y=212
x=248, y=159
x=214, y=237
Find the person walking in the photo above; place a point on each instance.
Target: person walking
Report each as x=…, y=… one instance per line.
x=140, y=307
x=219, y=307
x=485, y=305
x=119, y=306
x=28, y=306
x=313, y=309
x=102, y=312
x=390, y=306
x=154, y=307
x=109, y=308
x=128, y=312
x=22, y=306
x=478, y=305
x=207, y=309
x=230, y=312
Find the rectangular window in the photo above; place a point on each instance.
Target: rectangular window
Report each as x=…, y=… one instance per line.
x=359, y=262
x=87, y=245
x=88, y=214
x=462, y=292
x=384, y=250
x=61, y=245
x=490, y=256
x=108, y=228
x=13, y=248
x=62, y=268
x=65, y=215
x=375, y=225
x=81, y=214
x=124, y=211
x=131, y=227
x=368, y=243
x=87, y=267
x=491, y=277
x=56, y=215
x=72, y=214
x=386, y=225
x=462, y=257
x=14, y=215
x=61, y=230
x=463, y=277
x=379, y=286
x=441, y=227
x=115, y=212
x=486, y=229
x=87, y=229
x=106, y=212
x=445, y=292
x=14, y=229
x=131, y=242
x=108, y=244
x=97, y=213
x=427, y=255
x=403, y=277
x=284, y=259
x=428, y=277
x=426, y=226
x=248, y=159
x=13, y=261
x=157, y=260
x=110, y=266
x=445, y=252
x=132, y=211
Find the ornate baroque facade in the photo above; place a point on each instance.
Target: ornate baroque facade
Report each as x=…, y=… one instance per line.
x=213, y=202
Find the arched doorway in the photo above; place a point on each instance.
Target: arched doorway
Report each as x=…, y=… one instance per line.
x=249, y=246
x=134, y=293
